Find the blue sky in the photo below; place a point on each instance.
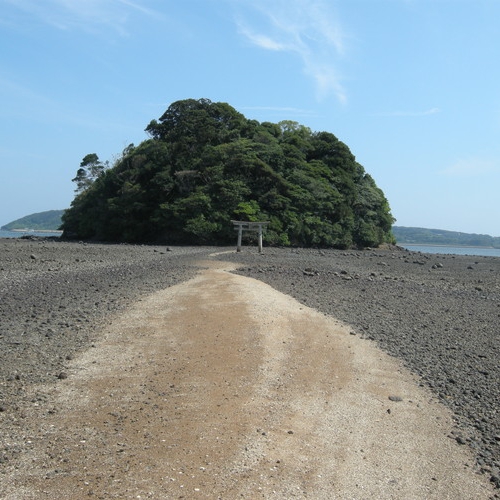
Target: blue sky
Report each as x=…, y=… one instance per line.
x=411, y=86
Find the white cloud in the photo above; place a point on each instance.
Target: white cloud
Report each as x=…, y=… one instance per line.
x=262, y=41
x=86, y=15
x=472, y=167
x=306, y=28
x=137, y=6
x=326, y=79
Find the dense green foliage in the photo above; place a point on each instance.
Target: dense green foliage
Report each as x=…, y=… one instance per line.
x=205, y=164
x=419, y=235
x=42, y=221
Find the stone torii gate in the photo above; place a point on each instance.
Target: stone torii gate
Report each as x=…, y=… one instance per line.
x=241, y=226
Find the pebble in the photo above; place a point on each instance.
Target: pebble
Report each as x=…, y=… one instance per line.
x=395, y=398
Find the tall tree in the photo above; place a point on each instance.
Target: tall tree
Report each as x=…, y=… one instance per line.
x=90, y=169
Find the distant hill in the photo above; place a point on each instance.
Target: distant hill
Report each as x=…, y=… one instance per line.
x=42, y=221
x=420, y=235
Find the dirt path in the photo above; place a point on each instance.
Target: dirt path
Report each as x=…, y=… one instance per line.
x=221, y=387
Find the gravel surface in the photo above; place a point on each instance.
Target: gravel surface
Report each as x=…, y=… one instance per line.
x=54, y=294
x=53, y=298
x=438, y=313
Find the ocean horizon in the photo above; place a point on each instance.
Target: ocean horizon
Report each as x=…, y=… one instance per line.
x=19, y=234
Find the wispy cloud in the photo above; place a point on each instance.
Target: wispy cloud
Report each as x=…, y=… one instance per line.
x=309, y=29
x=427, y=112
x=48, y=111
x=472, y=167
x=140, y=8
x=86, y=15
x=262, y=41
x=285, y=109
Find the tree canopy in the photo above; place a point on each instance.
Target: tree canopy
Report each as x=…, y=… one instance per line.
x=206, y=164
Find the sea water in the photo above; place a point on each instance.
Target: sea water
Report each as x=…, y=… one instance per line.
x=18, y=234
x=443, y=249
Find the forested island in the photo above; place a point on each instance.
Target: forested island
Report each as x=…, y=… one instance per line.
x=205, y=164
x=41, y=221
x=423, y=236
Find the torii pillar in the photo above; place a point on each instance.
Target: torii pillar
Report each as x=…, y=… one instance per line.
x=249, y=226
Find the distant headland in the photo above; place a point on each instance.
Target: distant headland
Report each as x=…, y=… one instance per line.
x=48, y=221
x=423, y=236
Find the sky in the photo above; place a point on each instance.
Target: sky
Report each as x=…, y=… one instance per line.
x=411, y=86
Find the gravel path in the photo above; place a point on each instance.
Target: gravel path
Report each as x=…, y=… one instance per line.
x=222, y=387
x=53, y=298
x=439, y=314
x=53, y=295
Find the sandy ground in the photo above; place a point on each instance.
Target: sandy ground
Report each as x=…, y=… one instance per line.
x=222, y=387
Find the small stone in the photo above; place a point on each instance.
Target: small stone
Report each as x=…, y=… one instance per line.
x=62, y=376
x=395, y=398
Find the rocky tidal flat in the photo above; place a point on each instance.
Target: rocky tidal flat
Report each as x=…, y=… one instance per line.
x=54, y=296
x=437, y=313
